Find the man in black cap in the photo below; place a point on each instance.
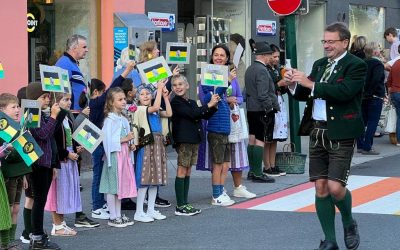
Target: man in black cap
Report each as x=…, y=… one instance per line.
x=262, y=104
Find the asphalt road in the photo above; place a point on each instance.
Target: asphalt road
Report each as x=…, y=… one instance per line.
x=224, y=228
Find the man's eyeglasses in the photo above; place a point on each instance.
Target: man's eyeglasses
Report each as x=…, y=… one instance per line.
x=330, y=42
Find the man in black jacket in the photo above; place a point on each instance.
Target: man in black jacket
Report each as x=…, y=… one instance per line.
x=187, y=134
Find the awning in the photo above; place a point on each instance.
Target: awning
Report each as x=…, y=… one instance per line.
x=140, y=21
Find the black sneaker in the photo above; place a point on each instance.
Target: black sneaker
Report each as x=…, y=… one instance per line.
x=280, y=171
x=186, y=210
x=263, y=179
x=128, y=204
x=250, y=176
x=162, y=203
x=43, y=244
x=271, y=172
x=85, y=222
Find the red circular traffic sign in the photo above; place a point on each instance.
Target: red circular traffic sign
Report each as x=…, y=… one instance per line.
x=284, y=7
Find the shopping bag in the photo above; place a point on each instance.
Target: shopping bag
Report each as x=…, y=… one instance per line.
x=391, y=120
x=243, y=122
x=236, y=126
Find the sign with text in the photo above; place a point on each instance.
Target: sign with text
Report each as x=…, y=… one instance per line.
x=165, y=21
x=266, y=28
x=120, y=42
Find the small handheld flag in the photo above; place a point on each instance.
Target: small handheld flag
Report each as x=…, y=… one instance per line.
x=8, y=127
x=88, y=135
x=27, y=148
x=32, y=113
x=214, y=75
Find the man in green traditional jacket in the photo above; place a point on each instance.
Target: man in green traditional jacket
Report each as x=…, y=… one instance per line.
x=333, y=120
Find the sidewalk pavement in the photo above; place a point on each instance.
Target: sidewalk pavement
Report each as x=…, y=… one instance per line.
x=200, y=188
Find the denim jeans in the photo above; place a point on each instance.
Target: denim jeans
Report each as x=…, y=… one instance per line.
x=371, y=112
x=97, y=161
x=395, y=98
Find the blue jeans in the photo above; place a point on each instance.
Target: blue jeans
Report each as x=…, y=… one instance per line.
x=395, y=98
x=97, y=161
x=371, y=112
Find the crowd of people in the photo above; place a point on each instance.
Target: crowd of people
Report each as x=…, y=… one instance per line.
x=344, y=93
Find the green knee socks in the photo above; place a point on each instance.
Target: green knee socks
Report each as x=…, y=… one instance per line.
x=258, y=153
x=12, y=232
x=5, y=237
x=186, y=189
x=179, y=191
x=326, y=215
x=344, y=207
x=250, y=157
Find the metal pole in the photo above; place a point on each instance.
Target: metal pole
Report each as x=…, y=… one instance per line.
x=291, y=53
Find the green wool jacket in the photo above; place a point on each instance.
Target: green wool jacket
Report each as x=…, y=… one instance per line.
x=342, y=92
x=13, y=165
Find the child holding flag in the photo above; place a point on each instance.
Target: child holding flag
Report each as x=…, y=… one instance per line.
x=118, y=177
x=151, y=163
x=13, y=169
x=41, y=170
x=64, y=196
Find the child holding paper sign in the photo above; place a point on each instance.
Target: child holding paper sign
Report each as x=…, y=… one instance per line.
x=13, y=169
x=42, y=172
x=151, y=164
x=118, y=177
x=64, y=195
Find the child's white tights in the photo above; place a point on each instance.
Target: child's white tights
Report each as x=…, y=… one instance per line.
x=114, y=205
x=151, y=200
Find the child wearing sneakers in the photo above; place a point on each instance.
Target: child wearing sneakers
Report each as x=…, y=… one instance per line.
x=187, y=134
x=118, y=177
x=151, y=163
x=98, y=93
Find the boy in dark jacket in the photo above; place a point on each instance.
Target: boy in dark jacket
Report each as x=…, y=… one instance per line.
x=187, y=134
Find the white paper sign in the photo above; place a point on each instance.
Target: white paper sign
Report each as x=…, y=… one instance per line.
x=238, y=53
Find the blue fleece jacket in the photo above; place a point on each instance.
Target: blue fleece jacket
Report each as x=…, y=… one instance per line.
x=218, y=123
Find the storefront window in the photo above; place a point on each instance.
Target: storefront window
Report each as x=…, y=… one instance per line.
x=367, y=21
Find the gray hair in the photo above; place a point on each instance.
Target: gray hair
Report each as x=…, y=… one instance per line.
x=73, y=41
x=370, y=48
x=179, y=77
x=360, y=42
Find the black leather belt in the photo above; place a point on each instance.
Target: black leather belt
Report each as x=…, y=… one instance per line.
x=320, y=124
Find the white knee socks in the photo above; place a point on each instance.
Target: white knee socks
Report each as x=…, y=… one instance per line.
x=140, y=200
x=151, y=199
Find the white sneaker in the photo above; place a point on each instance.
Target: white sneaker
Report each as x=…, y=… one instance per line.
x=226, y=197
x=142, y=217
x=23, y=240
x=100, y=214
x=222, y=201
x=156, y=215
x=241, y=192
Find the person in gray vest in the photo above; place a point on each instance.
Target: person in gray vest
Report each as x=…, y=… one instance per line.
x=261, y=104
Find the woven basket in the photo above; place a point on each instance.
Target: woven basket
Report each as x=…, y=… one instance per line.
x=290, y=162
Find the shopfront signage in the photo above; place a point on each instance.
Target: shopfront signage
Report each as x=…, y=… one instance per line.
x=120, y=42
x=284, y=7
x=165, y=21
x=32, y=22
x=266, y=28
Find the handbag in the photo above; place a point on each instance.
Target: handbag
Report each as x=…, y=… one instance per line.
x=391, y=120
x=236, y=126
x=243, y=122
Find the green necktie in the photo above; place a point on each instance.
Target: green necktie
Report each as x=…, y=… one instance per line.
x=327, y=72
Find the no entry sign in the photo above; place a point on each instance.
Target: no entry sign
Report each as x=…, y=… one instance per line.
x=284, y=7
